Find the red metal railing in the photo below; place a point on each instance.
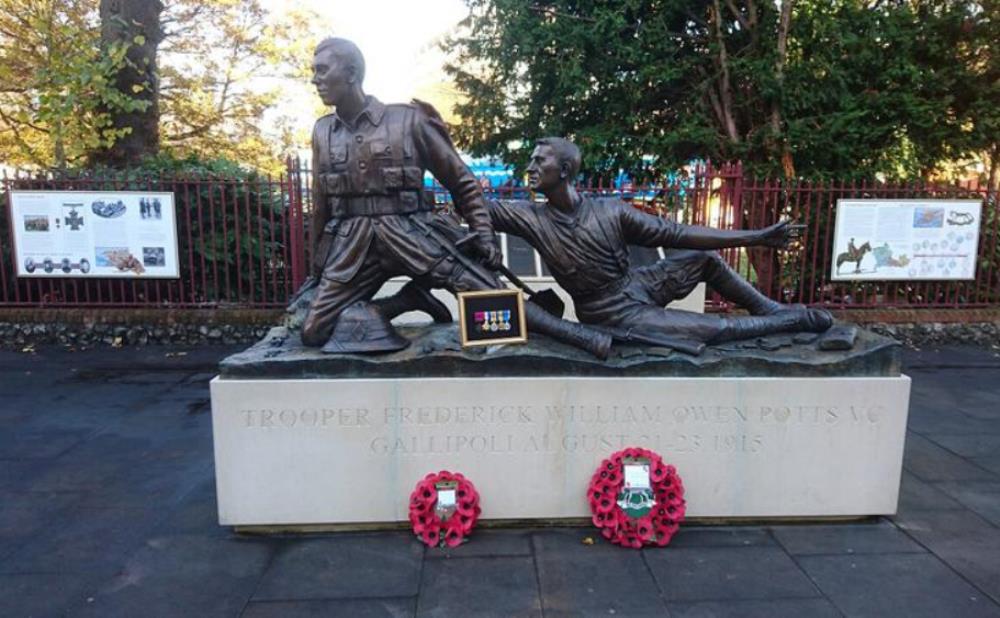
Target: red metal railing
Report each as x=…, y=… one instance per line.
x=239, y=244
x=245, y=241
x=802, y=275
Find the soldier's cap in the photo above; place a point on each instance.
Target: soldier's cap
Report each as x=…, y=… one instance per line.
x=363, y=329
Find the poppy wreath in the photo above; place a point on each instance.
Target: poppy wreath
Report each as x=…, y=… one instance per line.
x=654, y=528
x=428, y=525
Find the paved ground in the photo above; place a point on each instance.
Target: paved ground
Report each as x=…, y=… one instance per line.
x=107, y=508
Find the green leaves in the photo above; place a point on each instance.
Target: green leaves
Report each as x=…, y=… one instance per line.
x=62, y=106
x=59, y=97
x=895, y=89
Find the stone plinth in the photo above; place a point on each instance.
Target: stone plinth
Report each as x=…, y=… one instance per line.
x=306, y=439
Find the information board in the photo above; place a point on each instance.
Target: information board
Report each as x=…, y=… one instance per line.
x=94, y=234
x=877, y=240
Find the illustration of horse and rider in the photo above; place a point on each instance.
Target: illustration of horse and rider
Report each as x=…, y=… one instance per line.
x=853, y=254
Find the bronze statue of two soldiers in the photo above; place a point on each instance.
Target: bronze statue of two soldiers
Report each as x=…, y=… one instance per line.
x=373, y=221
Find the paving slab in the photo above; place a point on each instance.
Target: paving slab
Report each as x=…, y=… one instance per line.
x=360, y=608
x=23, y=515
x=991, y=463
x=30, y=443
x=601, y=578
x=977, y=445
x=501, y=586
x=149, y=484
x=857, y=538
x=27, y=516
x=980, y=497
x=777, y=608
x=486, y=543
x=84, y=540
x=197, y=511
x=344, y=566
x=19, y=474
x=183, y=575
x=916, y=495
x=40, y=595
x=723, y=573
x=966, y=542
x=912, y=585
x=933, y=422
x=722, y=536
x=930, y=462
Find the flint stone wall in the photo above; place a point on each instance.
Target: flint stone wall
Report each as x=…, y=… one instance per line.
x=935, y=333
x=132, y=327
x=20, y=335
x=220, y=326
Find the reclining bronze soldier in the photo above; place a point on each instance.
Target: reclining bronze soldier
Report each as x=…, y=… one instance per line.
x=373, y=221
x=584, y=241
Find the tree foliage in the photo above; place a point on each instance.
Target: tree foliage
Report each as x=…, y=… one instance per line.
x=57, y=97
x=220, y=70
x=803, y=87
x=223, y=63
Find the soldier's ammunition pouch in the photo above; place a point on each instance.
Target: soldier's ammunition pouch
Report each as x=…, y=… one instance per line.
x=375, y=180
x=323, y=246
x=401, y=203
x=391, y=190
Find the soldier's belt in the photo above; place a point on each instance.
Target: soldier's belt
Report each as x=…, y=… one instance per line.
x=612, y=287
x=402, y=203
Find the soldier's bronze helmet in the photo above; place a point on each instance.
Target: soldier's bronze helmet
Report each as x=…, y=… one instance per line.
x=362, y=328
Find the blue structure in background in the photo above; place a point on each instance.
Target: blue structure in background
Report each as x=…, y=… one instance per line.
x=489, y=171
x=497, y=176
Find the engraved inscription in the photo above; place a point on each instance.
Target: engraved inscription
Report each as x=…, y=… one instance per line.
x=407, y=430
x=309, y=417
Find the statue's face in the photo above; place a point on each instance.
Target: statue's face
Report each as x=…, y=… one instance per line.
x=544, y=171
x=331, y=77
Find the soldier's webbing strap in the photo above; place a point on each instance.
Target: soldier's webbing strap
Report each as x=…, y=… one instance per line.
x=403, y=140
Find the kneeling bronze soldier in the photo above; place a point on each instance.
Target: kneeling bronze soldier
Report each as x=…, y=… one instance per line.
x=373, y=220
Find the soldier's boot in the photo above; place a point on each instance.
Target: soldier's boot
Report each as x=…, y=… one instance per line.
x=414, y=297
x=789, y=320
x=571, y=333
x=734, y=288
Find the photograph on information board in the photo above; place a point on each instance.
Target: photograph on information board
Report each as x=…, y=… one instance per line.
x=905, y=239
x=95, y=234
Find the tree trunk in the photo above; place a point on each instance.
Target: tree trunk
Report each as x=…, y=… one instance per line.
x=728, y=117
x=135, y=23
x=777, y=131
x=994, y=164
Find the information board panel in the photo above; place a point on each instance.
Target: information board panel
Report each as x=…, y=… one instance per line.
x=94, y=234
x=879, y=240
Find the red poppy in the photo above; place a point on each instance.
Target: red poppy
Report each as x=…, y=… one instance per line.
x=656, y=527
x=427, y=523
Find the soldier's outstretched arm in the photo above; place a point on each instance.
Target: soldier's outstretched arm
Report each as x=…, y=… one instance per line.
x=509, y=216
x=648, y=230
